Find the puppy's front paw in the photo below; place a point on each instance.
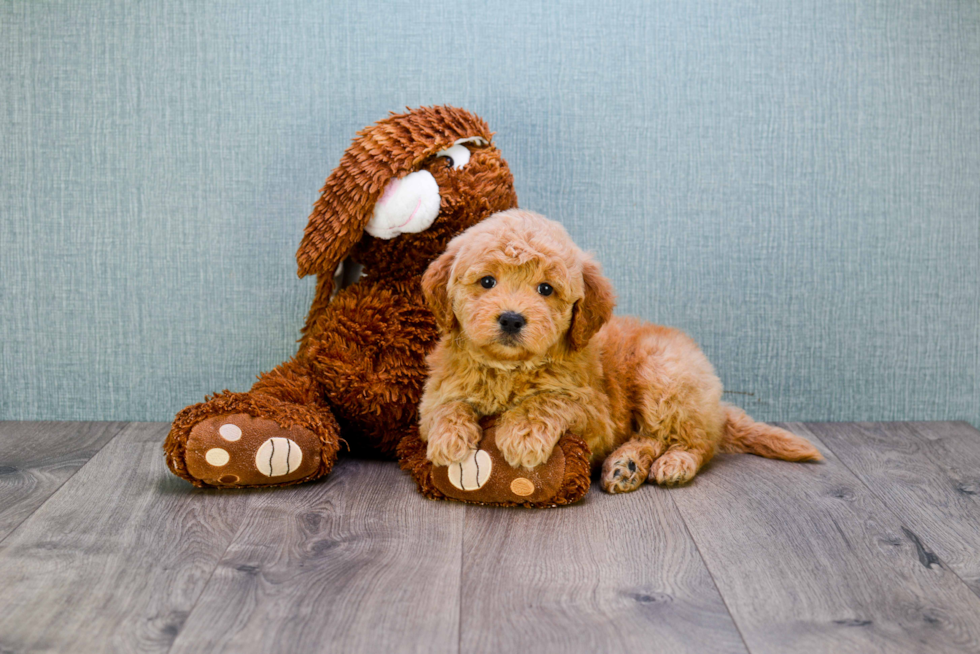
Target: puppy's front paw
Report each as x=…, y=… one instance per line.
x=526, y=443
x=451, y=444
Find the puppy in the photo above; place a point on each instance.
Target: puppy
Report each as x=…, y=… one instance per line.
x=527, y=333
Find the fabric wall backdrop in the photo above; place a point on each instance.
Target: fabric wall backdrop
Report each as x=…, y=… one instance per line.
x=795, y=183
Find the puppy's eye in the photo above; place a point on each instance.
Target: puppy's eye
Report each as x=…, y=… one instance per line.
x=456, y=157
x=488, y=282
x=544, y=288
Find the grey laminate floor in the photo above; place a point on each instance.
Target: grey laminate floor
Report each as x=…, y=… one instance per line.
x=876, y=550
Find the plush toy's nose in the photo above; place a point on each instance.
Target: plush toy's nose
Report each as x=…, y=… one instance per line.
x=408, y=205
x=511, y=323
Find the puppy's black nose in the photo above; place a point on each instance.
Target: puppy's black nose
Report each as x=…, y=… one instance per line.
x=511, y=322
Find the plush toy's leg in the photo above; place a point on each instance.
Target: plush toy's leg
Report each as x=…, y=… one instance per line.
x=369, y=358
x=279, y=433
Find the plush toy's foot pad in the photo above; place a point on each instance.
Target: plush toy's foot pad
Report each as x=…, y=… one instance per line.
x=485, y=477
x=240, y=450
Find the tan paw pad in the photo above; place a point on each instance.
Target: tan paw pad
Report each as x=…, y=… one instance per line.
x=230, y=432
x=522, y=486
x=472, y=472
x=277, y=457
x=217, y=457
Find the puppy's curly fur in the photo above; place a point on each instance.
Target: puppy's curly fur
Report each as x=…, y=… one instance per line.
x=528, y=333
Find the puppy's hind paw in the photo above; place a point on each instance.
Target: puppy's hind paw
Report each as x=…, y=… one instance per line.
x=622, y=474
x=627, y=468
x=675, y=467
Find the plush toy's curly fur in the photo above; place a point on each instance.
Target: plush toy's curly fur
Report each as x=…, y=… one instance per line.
x=359, y=370
x=644, y=397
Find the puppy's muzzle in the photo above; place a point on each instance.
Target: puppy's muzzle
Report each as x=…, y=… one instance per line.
x=511, y=323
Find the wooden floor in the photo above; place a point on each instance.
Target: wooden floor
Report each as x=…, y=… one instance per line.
x=876, y=550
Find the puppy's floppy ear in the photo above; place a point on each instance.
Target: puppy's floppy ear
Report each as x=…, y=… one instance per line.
x=435, y=285
x=594, y=309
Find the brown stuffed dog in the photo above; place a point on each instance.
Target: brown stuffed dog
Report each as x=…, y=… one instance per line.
x=404, y=188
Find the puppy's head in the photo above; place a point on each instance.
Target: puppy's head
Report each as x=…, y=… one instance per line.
x=516, y=288
x=403, y=189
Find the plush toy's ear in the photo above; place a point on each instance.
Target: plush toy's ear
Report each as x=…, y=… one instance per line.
x=594, y=309
x=435, y=283
x=348, y=196
x=392, y=147
x=336, y=225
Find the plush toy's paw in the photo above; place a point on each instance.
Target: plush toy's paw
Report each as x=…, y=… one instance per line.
x=239, y=450
x=250, y=439
x=525, y=443
x=484, y=477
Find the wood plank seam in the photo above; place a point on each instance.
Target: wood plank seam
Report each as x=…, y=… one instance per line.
x=462, y=552
x=612, y=573
x=348, y=550
x=118, y=558
x=805, y=582
x=217, y=563
x=927, y=557
x=922, y=437
x=714, y=582
x=121, y=428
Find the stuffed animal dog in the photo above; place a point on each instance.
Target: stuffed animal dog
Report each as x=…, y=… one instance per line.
x=403, y=189
x=528, y=333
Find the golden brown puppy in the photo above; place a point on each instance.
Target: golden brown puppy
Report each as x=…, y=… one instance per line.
x=527, y=333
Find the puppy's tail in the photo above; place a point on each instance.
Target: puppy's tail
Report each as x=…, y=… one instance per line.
x=743, y=434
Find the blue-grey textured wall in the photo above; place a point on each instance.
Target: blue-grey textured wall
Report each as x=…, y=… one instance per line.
x=795, y=183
